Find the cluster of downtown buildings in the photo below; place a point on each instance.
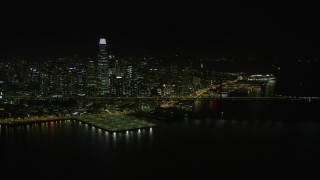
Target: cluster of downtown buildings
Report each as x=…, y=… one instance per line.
x=103, y=75
x=109, y=76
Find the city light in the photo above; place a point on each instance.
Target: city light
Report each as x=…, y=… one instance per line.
x=102, y=41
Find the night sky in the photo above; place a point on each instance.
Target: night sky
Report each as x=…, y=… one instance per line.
x=226, y=28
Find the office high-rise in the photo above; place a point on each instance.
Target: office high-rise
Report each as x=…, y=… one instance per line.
x=91, y=77
x=103, y=68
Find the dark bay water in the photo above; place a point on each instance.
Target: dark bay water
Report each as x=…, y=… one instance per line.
x=253, y=145
x=289, y=110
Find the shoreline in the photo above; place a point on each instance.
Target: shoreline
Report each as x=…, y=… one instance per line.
x=115, y=122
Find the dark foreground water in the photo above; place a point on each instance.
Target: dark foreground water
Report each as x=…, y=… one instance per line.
x=210, y=147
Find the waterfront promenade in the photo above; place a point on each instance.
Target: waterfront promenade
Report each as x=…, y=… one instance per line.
x=112, y=122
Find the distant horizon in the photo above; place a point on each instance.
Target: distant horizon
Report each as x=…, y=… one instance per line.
x=89, y=48
x=227, y=28
x=173, y=56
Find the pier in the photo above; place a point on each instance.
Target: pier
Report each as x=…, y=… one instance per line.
x=109, y=122
x=116, y=123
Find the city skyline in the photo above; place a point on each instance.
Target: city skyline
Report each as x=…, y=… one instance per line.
x=159, y=89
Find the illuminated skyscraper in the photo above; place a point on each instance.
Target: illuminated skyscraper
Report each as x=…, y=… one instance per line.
x=91, y=78
x=103, y=68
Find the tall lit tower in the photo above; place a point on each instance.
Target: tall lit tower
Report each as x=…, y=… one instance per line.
x=103, y=68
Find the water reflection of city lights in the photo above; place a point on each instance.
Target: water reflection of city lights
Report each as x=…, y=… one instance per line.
x=114, y=134
x=139, y=135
